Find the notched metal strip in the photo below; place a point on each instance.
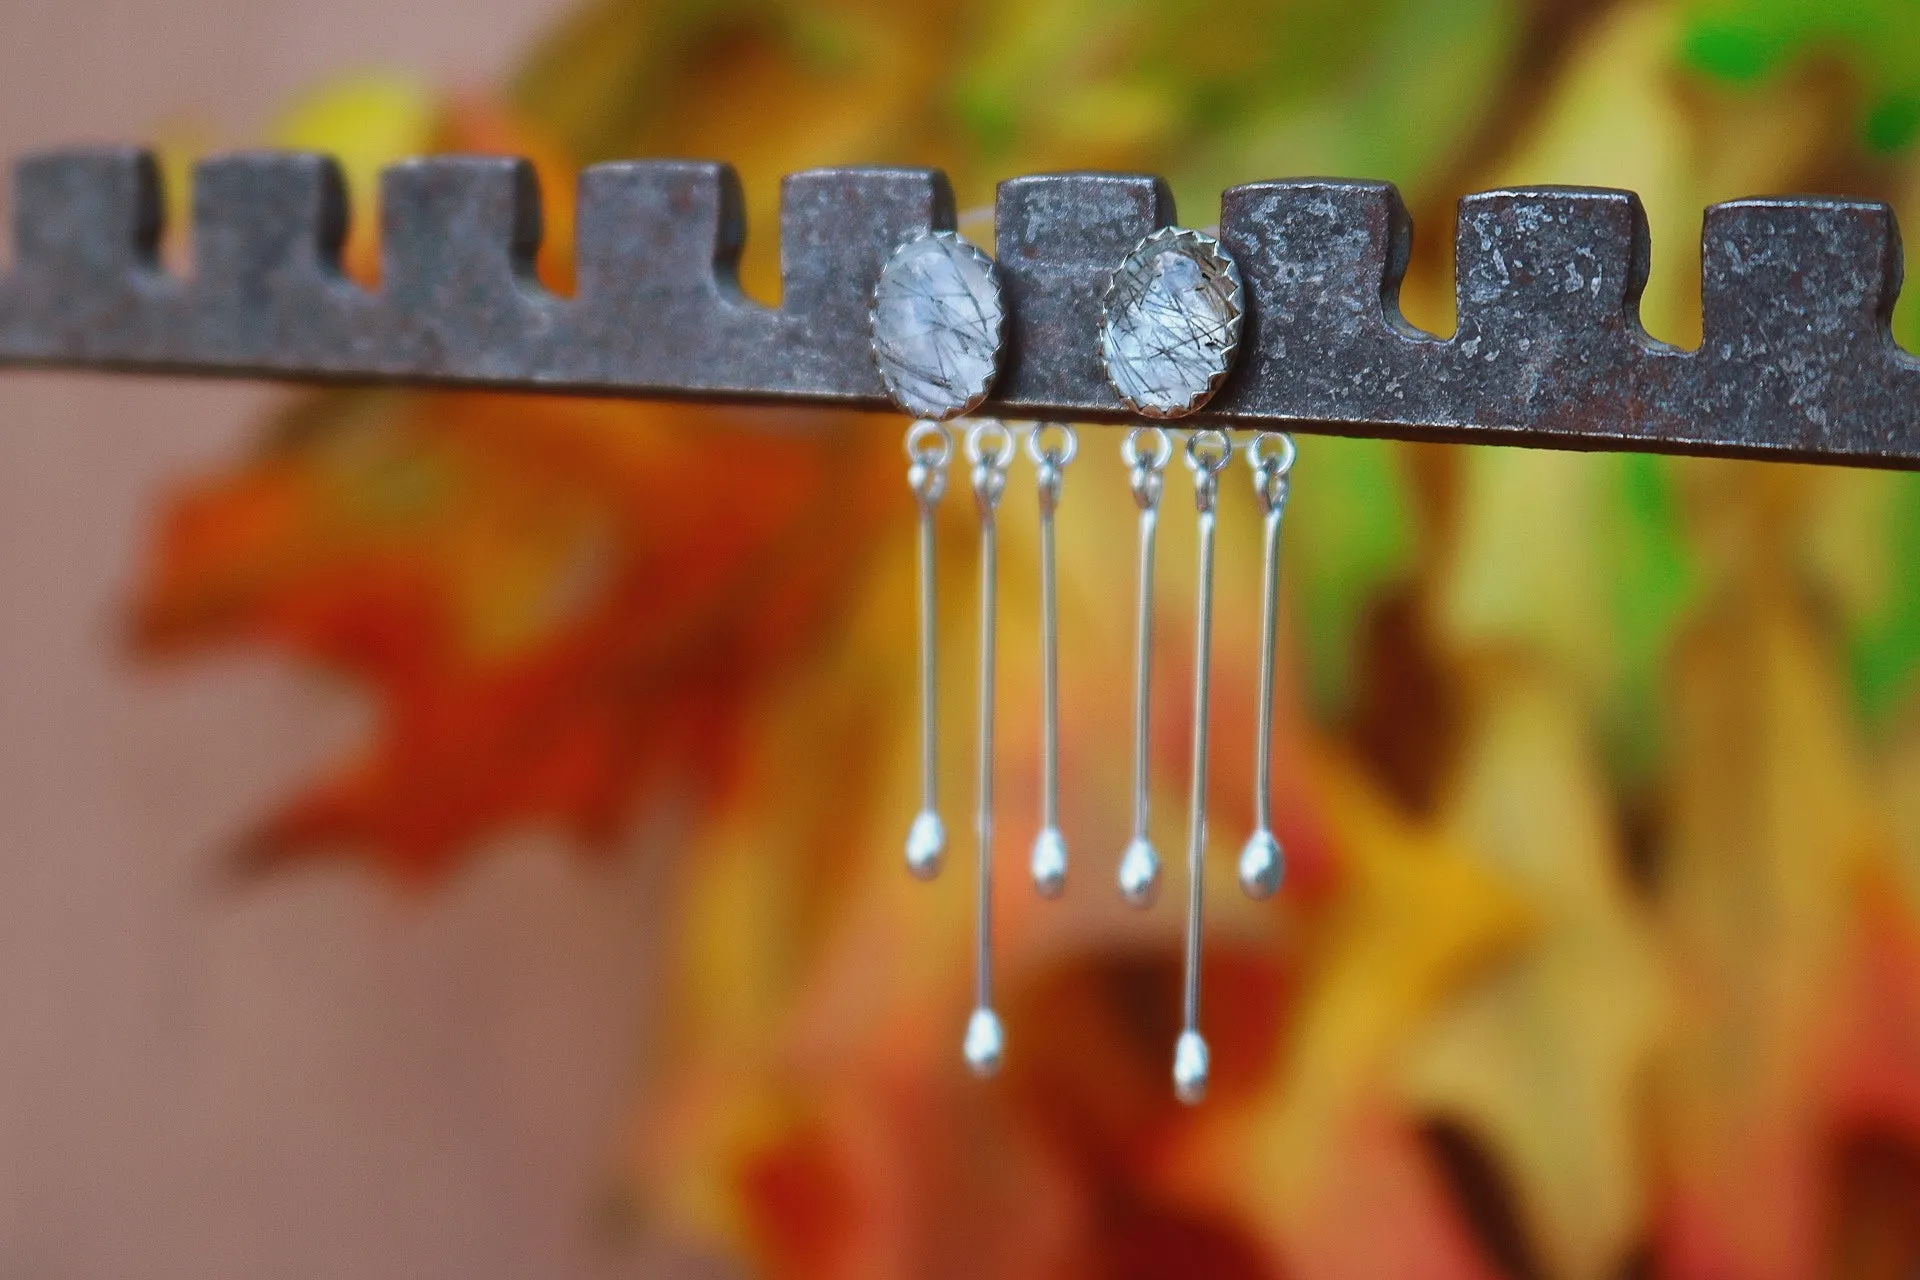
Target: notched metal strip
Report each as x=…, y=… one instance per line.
x=1798, y=359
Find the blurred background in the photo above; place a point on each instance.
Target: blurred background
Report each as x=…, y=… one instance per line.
x=459, y=835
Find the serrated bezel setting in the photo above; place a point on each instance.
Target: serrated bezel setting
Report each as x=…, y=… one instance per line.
x=939, y=325
x=1170, y=323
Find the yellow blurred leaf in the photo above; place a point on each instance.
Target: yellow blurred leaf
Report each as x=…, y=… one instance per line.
x=1545, y=1057
x=1319, y=1159
x=1527, y=567
x=366, y=122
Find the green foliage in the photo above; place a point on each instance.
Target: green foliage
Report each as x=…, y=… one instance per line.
x=1399, y=107
x=1743, y=42
x=1883, y=642
x=1350, y=533
x=1217, y=93
x=1655, y=582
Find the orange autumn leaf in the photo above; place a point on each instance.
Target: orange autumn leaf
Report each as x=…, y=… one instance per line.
x=553, y=621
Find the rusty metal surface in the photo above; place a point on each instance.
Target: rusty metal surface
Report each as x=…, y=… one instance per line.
x=1798, y=360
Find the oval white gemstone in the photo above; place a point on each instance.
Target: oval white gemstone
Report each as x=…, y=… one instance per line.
x=1172, y=323
x=937, y=325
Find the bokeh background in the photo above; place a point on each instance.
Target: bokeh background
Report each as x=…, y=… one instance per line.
x=458, y=835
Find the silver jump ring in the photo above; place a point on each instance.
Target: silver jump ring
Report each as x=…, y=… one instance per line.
x=1162, y=448
x=1279, y=458
x=997, y=456
x=929, y=443
x=1058, y=455
x=1209, y=451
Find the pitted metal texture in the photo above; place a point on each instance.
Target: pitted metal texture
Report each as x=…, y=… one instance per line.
x=1798, y=359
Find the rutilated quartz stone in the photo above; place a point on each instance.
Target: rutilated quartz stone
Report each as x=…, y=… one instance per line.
x=1171, y=323
x=938, y=324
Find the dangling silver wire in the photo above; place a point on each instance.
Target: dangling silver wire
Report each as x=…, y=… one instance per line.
x=1208, y=453
x=1139, y=873
x=1263, y=864
x=1049, y=861
x=929, y=448
x=990, y=447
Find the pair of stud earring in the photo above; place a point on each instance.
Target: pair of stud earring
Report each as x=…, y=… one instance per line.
x=1170, y=329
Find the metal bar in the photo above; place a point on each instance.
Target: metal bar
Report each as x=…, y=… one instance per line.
x=1798, y=360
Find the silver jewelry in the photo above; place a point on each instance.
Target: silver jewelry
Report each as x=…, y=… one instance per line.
x=1049, y=862
x=990, y=448
x=1262, y=863
x=1170, y=323
x=938, y=325
x=1169, y=330
x=929, y=448
x=1208, y=453
x=1140, y=866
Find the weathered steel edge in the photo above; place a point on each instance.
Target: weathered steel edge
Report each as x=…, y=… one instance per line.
x=1797, y=362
